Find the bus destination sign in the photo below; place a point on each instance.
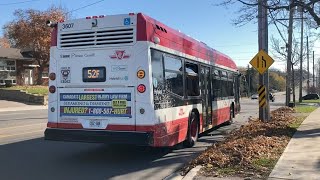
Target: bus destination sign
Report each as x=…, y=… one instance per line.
x=94, y=74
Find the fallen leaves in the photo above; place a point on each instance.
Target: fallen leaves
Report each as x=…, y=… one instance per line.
x=243, y=147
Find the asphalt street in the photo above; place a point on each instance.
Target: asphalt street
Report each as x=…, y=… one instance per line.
x=25, y=155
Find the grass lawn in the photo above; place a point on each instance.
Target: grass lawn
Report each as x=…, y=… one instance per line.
x=311, y=101
x=304, y=109
x=41, y=90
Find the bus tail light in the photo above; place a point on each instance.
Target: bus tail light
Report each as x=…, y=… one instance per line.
x=141, y=74
x=141, y=88
x=52, y=76
x=52, y=89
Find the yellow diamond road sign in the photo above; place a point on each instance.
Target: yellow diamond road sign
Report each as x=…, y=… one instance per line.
x=261, y=62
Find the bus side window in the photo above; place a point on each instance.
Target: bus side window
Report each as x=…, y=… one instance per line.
x=192, y=79
x=173, y=74
x=216, y=85
x=231, y=84
x=224, y=84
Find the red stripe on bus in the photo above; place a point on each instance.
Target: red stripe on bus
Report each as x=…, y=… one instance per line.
x=70, y=126
x=54, y=36
x=173, y=39
x=52, y=125
x=165, y=134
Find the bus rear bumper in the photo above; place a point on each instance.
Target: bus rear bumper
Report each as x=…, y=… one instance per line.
x=99, y=136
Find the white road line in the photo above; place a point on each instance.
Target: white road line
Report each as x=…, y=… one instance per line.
x=14, y=127
x=5, y=136
x=5, y=114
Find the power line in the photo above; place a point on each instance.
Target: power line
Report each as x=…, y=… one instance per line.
x=85, y=6
x=13, y=3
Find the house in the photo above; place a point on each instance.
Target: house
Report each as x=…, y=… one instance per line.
x=18, y=68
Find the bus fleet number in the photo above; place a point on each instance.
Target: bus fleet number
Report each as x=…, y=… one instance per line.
x=67, y=26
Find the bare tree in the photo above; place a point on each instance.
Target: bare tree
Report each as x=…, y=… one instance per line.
x=248, y=12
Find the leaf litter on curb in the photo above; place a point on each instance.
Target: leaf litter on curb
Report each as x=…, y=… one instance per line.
x=248, y=150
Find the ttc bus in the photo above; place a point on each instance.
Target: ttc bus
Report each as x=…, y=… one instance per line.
x=130, y=79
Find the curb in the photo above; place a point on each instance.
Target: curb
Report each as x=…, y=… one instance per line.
x=192, y=173
x=189, y=176
x=9, y=109
x=174, y=176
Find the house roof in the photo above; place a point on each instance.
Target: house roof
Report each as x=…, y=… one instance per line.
x=12, y=53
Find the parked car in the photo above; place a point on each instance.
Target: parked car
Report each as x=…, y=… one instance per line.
x=311, y=96
x=255, y=96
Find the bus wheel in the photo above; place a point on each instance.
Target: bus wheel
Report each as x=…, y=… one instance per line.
x=193, y=130
x=231, y=115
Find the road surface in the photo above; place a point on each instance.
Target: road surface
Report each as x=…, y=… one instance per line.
x=25, y=155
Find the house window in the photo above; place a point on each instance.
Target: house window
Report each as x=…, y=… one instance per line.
x=45, y=74
x=10, y=68
x=11, y=63
x=6, y=65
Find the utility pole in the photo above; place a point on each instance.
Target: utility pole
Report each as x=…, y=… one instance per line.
x=301, y=57
x=248, y=84
x=308, y=82
x=264, y=112
x=313, y=68
x=289, y=46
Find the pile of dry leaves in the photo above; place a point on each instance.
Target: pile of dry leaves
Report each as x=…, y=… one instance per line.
x=251, y=142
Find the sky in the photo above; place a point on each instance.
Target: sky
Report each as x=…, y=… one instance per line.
x=200, y=19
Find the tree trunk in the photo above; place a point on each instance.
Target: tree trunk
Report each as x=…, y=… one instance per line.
x=39, y=78
x=293, y=87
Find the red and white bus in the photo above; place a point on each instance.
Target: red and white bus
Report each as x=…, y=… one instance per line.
x=130, y=79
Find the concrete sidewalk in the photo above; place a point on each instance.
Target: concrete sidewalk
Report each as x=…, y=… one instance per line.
x=301, y=158
x=17, y=106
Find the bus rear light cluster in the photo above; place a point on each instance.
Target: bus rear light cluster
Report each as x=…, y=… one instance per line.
x=141, y=74
x=141, y=88
x=52, y=76
x=52, y=89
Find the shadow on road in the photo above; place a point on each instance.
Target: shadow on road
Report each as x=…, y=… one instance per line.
x=39, y=159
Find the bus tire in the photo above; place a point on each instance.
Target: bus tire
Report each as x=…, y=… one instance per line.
x=230, y=121
x=193, y=130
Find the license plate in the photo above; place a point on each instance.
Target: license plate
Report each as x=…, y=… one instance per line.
x=95, y=124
